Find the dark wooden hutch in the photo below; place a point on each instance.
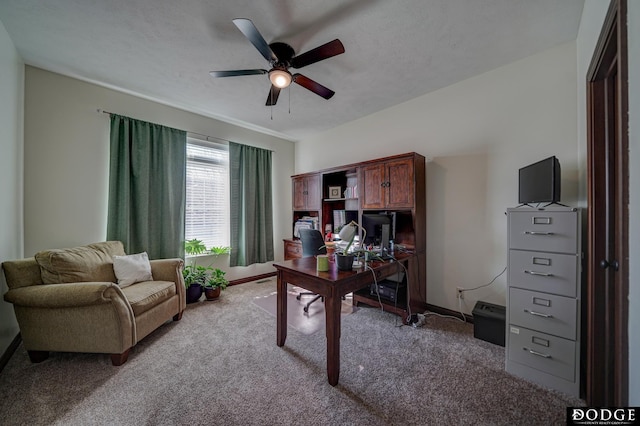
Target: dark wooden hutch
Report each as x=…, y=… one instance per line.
x=391, y=184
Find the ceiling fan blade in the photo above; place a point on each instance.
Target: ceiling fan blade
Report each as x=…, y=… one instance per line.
x=325, y=51
x=315, y=87
x=236, y=73
x=273, y=95
x=251, y=32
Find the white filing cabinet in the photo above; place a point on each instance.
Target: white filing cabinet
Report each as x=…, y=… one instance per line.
x=544, y=294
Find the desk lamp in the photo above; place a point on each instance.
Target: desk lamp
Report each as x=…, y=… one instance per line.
x=348, y=233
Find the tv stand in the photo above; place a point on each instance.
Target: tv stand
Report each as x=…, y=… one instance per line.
x=543, y=207
x=554, y=203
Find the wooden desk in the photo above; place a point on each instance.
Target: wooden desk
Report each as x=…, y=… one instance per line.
x=332, y=284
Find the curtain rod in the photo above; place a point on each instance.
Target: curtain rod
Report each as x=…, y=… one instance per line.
x=207, y=137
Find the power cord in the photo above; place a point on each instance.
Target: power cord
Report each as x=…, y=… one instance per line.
x=375, y=281
x=415, y=322
x=427, y=313
x=406, y=274
x=462, y=290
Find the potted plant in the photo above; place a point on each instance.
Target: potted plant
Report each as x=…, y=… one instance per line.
x=215, y=284
x=217, y=250
x=194, y=246
x=195, y=277
x=344, y=259
x=201, y=277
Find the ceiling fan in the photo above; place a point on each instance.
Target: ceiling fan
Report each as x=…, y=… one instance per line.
x=281, y=57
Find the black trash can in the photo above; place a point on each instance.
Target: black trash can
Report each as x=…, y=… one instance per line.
x=488, y=322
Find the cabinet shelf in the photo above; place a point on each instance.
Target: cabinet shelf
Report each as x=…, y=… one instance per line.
x=363, y=296
x=329, y=200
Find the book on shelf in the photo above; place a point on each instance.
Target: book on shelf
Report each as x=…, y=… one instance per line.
x=351, y=192
x=306, y=222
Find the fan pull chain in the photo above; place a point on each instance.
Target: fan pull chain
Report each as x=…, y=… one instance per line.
x=289, y=99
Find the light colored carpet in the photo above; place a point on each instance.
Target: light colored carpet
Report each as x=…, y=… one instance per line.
x=220, y=365
x=304, y=322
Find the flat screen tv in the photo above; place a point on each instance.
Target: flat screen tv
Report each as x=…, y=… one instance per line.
x=540, y=182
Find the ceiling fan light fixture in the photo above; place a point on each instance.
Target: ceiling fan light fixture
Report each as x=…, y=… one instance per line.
x=280, y=78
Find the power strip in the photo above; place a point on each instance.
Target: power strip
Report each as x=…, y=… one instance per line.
x=417, y=320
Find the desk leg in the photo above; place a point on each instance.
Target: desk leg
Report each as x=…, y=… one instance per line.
x=281, y=318
x=332, y=306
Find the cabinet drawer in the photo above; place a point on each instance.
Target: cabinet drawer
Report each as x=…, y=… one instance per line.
x=544, y=231
x=551, y=354
x=556, y=315
x=547, y=272
x=292, y=250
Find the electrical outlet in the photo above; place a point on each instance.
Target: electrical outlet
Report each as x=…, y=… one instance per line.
x=460, y=292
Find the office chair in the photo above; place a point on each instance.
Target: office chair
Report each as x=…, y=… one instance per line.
x=312, y=245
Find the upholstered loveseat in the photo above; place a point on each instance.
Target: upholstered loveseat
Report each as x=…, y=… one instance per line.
x=70, y=300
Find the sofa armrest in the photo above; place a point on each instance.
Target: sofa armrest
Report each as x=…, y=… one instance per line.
x=66, y=295
x=171, y=270
x=167, y=269
x=74, y=317
x=22, y=273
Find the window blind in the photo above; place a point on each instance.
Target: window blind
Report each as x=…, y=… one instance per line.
x=207, y=208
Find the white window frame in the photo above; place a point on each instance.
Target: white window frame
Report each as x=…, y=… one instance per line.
x=207, y=205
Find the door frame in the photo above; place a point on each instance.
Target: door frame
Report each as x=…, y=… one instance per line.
x=607, y=369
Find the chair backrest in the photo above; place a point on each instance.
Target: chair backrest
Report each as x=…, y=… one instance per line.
x=312, y=242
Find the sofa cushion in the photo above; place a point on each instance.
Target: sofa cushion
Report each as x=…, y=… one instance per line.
x=79, y=264
x=132, y=268
x=146, y=294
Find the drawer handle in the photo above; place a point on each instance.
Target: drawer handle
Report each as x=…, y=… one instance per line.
x=538, y=233
x=538, y=314
x=532, y=352
x=542, y=274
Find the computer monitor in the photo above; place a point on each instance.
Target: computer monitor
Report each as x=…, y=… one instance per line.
x=380, y=228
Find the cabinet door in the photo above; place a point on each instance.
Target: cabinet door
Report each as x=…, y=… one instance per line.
x=399, y=184
x=299, y=193
x=314, y=194
x=372, y=187
x=306, y=192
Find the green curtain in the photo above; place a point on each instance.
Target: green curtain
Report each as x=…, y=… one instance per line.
x=147, y=187
x=251, y=205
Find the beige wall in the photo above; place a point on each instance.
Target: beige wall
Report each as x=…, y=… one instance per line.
x=11, y=184
x=477, y=133
x=67, y=160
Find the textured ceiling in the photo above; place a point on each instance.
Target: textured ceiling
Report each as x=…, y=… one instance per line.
x=395, y=50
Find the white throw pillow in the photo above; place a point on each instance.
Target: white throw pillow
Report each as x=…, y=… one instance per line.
x=132, y=269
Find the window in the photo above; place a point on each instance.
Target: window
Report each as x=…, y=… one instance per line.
x=207, y=209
